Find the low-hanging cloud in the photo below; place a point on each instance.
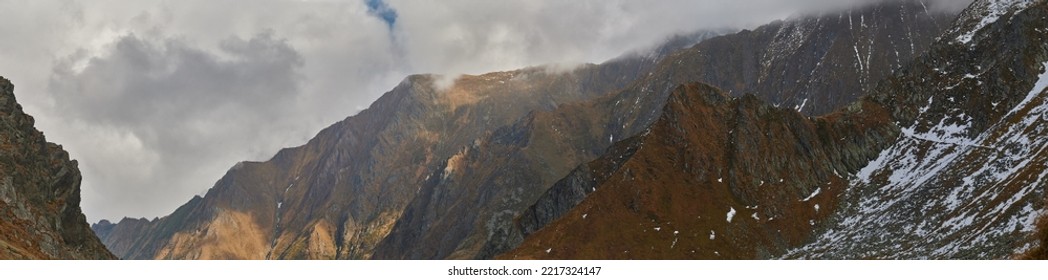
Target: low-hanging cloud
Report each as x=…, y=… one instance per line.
x=157, y=99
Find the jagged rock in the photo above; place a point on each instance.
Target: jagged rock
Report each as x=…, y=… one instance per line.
x=958, y=148
x=967, y=179
x=427, y=173
x=432, y=172
x=40, y=214
x=746, y=62
x=340, y=195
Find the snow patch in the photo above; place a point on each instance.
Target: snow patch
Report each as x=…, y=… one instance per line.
x=991, y=13
x=1042, y=83
x=813, y=194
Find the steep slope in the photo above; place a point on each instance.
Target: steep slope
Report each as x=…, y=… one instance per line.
x=337, y=196
x=814, y=64
x=959, y=177
x=968, y=177
x=40, y=214
x=713, y=177
x=528, y=157
x=429, y=173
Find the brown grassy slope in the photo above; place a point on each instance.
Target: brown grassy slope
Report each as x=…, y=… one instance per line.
x=706, y=155
x=1041, y=251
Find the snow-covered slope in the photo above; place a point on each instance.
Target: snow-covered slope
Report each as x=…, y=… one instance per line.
x=968, y=176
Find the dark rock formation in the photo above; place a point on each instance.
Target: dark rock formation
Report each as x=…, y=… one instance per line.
x=40, y=214
x=957, y=140
x=713, y=177
x=431, y=173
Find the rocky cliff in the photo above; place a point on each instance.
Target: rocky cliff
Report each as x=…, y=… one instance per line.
x=585, y=130
x=713, y=177
x=434, y=171
x=942, y=160
x=339, y=196
x=40, y=214
x=967, y=177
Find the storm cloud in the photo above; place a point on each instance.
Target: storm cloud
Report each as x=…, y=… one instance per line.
x=157, y=99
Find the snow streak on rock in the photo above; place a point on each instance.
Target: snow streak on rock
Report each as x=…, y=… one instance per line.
x=990, y=12
x=927, y=196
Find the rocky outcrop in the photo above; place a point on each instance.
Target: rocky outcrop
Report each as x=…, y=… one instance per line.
x=582, y=132
x=340, y=195
x=967, y=179
x=40, y=214
x=815, y=64
x=432, y=172
x=945, y=159
x=713, y=177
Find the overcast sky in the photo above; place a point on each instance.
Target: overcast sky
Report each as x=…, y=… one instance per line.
x=158, y=99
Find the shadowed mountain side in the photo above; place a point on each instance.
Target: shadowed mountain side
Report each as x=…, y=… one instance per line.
x=713, y=177
x=340, y=194
x=968, y=177
x=505, y=172
x=429, y=173
x=956, y=138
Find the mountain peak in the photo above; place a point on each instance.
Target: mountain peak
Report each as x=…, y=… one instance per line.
x=40, y=215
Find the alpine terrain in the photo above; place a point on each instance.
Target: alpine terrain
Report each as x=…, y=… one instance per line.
x=40, y=214
x=890, y=130
x=944, y=159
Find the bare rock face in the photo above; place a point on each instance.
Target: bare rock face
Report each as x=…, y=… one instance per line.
x=946, y=159
x=763, y=63
x=434, y=172
x=713, y=177
x=340, y=195
x=40, y=214
x=967, y=178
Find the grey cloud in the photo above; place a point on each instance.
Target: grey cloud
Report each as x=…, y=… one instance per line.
x=183, y=104
x=950, y=5
x=462, y=36
x=142, y=82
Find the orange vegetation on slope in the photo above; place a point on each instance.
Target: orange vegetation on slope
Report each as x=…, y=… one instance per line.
x=775, y=171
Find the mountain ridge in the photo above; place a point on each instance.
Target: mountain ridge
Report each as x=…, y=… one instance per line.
x=364, y=189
